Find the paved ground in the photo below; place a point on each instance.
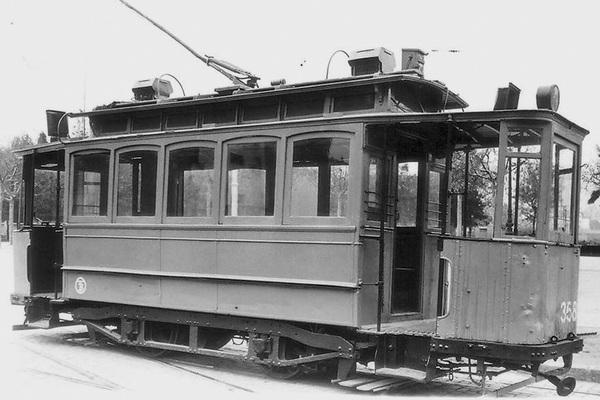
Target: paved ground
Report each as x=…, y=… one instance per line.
x=64, y=363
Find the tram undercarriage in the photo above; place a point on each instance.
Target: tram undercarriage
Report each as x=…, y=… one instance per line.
x=286, y=350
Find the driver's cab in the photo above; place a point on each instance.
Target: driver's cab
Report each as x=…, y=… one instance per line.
x=37, y=241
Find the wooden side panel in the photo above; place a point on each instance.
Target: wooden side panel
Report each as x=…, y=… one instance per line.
x=429, y=277
x=274, y=273
x=509, y=292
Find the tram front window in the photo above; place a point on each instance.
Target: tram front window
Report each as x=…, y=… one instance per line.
x=320, y=177
x=251, y=179
x=563, y=160
x=191, y=179
x=136, y=192
x=90, y=184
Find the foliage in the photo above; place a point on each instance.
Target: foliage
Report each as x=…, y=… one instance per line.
x=10, y=168
x=590, y=175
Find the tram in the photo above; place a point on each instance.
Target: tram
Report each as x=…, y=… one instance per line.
x=366, y=219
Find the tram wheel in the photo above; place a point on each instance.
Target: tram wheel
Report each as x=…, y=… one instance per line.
x=288, y=350
x=282, y=373
x=213, y=339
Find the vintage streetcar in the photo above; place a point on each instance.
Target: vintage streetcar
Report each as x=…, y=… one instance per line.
x=367, y=219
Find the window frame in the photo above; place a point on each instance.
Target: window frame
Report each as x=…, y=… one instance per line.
x=71, y=187
x=158, y=203
x=222, y=202
x=288, y=219
x=545, y=159
x=215, y=189
x=553, y=235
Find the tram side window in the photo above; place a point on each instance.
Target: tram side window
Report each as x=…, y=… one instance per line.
x=563, y=160
x=90, y=184
x=191, y=180
x=521, y=196
x=136, y=191
x=44, y=196
x=408, y=183
x=251, y=179
x=472, y=192
x=320, y=177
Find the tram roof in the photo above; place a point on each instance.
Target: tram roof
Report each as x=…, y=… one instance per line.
x=452, y=100
x=480, y=123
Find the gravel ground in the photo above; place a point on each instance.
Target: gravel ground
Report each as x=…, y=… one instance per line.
x=64, y=363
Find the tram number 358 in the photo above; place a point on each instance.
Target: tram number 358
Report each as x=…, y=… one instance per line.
x=568, y=311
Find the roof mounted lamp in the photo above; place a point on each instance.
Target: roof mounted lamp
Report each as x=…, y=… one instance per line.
x=548, y=97
x=413, y=60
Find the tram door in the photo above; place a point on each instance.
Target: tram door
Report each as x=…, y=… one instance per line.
x=38, y=240
x=406, y=270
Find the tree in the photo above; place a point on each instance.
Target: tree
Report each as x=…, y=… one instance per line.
x=42, y=138
x=11, y=176
x=591, y=178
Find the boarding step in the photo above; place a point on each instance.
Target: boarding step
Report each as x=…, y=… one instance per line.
x=401, y=372
x=372, y=383
x=43, y=323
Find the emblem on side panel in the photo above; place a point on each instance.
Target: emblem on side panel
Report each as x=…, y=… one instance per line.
x=80, y=285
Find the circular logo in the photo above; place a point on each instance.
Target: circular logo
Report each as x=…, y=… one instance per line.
x=80, y=285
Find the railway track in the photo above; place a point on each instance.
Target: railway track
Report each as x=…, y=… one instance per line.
x=239, y=378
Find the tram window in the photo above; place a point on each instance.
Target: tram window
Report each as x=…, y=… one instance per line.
x=471, y=214
x=109, y=125
x=524, y=140
x=184, y=119
x=44, y=196
x=434, y=209
x=320, y=177
x=260, y=110
x=220, y=115
x=521, y=196
x=304, y=105
x=251, y=179
x=146, y=122
x=563, y=160
x=408, y=182
x=354, y=100
x=136, y=192
x=90, y=184
x=191, y=179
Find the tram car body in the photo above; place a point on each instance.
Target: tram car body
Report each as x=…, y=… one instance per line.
x=363, y=219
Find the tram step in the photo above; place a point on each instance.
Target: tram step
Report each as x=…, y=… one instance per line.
x=354, y=382
x=43, y=323
x=368, y=387
x=402, y=372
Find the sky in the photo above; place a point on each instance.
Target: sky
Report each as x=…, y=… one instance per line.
x=76, y=54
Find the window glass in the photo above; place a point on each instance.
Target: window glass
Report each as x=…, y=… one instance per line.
x=433, y=200
x=562, y=189
x=471, y=214
x=408, y=182
x=524, y=140
x=90, y=184
x=251, y=179
x=521, y=196
x=320, y=177
x=136, y=192
x=44, y=196
x=191, y=179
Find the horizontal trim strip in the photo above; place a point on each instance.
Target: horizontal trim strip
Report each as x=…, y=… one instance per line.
x=191, y=239
x=212, y=227
x=220, y=277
